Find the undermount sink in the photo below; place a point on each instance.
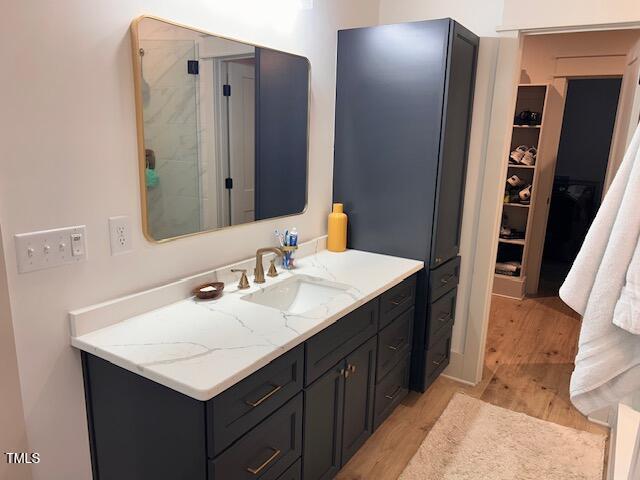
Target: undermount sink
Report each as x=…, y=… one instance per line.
x=298, y=294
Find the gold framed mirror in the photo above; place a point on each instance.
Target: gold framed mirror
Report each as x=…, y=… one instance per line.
x=222, y=130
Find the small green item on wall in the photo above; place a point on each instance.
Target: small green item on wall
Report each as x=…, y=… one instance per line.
x=151, y=177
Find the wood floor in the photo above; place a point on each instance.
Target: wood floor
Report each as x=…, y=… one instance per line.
x=531, y=345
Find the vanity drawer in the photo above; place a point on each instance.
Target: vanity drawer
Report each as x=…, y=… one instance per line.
x=238, y=409
x=438, y=355
x=325, y=349
x=444, y=278
x=294, y=472
x=267, y=450
x=394, y=343
x=390, y=391
x=441, y=314
x=396, y=300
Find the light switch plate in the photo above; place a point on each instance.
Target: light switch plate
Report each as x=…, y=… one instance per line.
x=120, y=233
x=50, y=248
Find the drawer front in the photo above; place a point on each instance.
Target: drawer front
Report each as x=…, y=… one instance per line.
x=325, y=349
x=390, y=391
x=441, y=315
x=396, y=300
x=394, y=343
x=267, y=450
x=443, y=279
x=438, y=355
x=238, y=409
x=294, y=472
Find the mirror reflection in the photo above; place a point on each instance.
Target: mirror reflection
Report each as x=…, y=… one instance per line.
x=224, y=130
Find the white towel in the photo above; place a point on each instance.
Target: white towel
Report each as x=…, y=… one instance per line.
x=608, y=361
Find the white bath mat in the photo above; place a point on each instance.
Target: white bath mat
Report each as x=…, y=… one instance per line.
x=474, y=440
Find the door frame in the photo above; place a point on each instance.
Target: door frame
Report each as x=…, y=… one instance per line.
x=470, y=363
x=222, y=150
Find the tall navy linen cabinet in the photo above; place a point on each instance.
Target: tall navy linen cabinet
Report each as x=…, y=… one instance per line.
x=403, y=114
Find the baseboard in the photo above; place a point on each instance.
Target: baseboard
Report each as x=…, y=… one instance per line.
x=455, y=370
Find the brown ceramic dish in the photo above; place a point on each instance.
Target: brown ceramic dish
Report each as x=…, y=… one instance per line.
x=209, y=291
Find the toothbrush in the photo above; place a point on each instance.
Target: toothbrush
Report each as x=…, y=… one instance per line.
x=279, y=238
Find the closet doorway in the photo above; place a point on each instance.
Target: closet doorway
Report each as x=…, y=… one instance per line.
x=577, y=105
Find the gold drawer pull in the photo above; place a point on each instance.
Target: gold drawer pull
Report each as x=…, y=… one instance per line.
x=445, y=318
x=400, y=299
x=397, y=346
x=256, y=471
x=276, y=388
x=352, y=368
x=394, y=394
x=439, y=362
x=445, y=280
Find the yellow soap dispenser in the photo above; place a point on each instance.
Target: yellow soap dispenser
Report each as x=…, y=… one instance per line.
x=337, y=229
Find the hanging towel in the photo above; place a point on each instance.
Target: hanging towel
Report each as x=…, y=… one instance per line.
x=607, y=367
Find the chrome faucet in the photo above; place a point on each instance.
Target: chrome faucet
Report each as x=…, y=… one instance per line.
x=259, y=271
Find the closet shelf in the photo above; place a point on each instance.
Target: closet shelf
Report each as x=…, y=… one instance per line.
x=512, y=241
x=519, y=205
x=528, y=126
x=530, y=167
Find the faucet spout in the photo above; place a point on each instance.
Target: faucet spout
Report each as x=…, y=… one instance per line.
x=259, y=271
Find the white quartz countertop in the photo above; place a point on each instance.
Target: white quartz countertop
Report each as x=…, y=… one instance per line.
x=201, y=348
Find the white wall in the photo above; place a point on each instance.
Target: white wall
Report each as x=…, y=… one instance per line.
x=480, y=17
x=13, y=437
x=554, y=13
x=69, y=157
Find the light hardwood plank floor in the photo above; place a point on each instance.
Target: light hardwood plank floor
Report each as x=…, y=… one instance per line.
x=531, y=345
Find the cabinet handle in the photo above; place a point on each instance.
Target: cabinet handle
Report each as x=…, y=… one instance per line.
x=273, y=391
x=256, y=471
x=445, y=280
x=352, y=368
x=400, y=299
x=439, y=362
x=394, y=394
x=397, y=346
x=344, y=373
x=445, y=318
x=438, y=259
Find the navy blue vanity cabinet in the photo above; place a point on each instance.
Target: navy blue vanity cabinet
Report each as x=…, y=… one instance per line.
x=301, y=416
x=403, y=112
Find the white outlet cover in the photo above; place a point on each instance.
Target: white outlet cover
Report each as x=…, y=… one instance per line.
x=120, y=235
x=50, y=248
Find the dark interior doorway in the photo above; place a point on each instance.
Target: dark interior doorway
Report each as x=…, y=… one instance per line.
x=583, y=154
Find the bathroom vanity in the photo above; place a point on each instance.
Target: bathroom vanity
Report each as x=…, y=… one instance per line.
x=285, y=380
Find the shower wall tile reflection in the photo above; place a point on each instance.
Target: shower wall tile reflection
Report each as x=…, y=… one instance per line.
x=170, y=130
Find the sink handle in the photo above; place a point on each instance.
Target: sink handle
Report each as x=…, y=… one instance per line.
x=273, y=272
x=243, y=284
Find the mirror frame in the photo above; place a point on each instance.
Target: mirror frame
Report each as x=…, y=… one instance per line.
x=137, y=82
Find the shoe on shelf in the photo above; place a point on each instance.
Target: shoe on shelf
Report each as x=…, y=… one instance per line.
x=514, y=181
x=517, y=154
x=529, y=157
x=525, y=194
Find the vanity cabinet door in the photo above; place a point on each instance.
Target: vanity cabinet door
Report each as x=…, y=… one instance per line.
x=323, y=416
x=358, y=398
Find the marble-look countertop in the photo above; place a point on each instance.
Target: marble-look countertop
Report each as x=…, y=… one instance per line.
x=201, y=348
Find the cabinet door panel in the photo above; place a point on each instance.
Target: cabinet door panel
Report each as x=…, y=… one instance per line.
x=358, y=398
x=323, y=425
x=455, y=145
